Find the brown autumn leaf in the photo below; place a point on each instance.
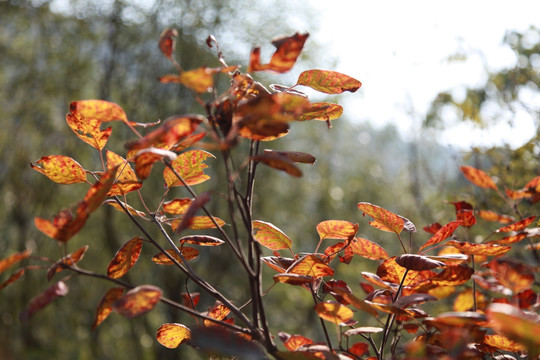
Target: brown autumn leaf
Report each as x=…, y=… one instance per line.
x=12, y=259
x=43, y=299
x=336, y=229
x=520, y=225
x=137, y=301
x=60, y=169
x=14, y=277
x=389, y=270
x=104, y=307
x=177, y=206
x=172, y=335
x=368, y=249
x=493, y=216
x=125, y=258
x=188, y=253
x=363, y=330
x=68, y=260
x=270, y=236
x=478, y=177
x=88, y=129
x=329, y=82
x=442, y=234
x=201, y=240
x=190, y=166
x=293, y=279
x=278, y=263
x=167, y=42
x=418, y=262
x=294, y=156
x=355, y=301
x=334, y=312
x=278, y=162
x=287, y=51
x=382, y=218
x=322, y=112
x=512, y=273
x=478, y=249
x=310, y=265
x=527, y=299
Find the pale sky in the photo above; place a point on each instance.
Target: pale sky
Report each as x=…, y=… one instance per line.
x=400, y=49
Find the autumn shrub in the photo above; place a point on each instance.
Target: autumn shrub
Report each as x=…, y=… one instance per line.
x=493, y=297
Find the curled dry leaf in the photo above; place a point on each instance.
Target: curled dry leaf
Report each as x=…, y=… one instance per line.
x=329, y=82
x=167, y=42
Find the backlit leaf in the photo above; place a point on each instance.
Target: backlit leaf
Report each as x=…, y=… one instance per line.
x=503, y=343
x=60, y=169
x=311, y=265
x=201, y=240
x=125, y=258
x=329, y=82
x=359, y=349
x=217, y=312
x=522, y=224
x=190, y=166
x=11, y=260
x=287, y=51
x=188, y=253
x=201, y=80
x=452, y=276
x=270, y=236
x=442, y=234
x=478, y=177
x=368, y=249
x=334, y=312
x=100, y=110
x=198, y=223
x=383, y=219
x=177, y=206
x=478, y=249
x=356, y=302
x=322, y=111
x=414, y=299
x=374, y=279
x=43, y=299
x=88, y=130
x=167, y=42
x=509, y=239
x=336, y=229
x=293, y=342
x=432, y=228
x=147, y=157
x=278, y=162
x=68, y=260
x=493, y=216
x=190, y=300
x=512, y=273
x=104, y=307
x=219, y=341
x=172, y=335
x=418, y=262
x=98, y=192
x=14, y=277
x=389, y=270
x=464, y=301
x=137, y=301
x=126, y=180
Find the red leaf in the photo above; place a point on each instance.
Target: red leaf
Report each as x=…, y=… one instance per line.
x=493, y=216
x=294, y=342
x=329, y=82
x=104, y=307
x=383, y=219
x=217, y=312
x=60, y=169
x=166, y=42
x=11, y=260
x=287, y=51
x=512, y=274
x=442, y=234
x=432, y=228
x=125, y=258
x=478, y=177
x=522, y=224
x=14, y=277
x=137, y=301
x=45, y=298
x=516, y=325
x=68, y=260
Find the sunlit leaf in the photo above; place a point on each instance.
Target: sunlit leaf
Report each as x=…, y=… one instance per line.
x=458, y=319
x=329, y=82
x=359, y=349
x=478, y=177
x=100, y=110
x=512, y=273
x=98, y=192
x=11, y=260
x=432, y=228
x=278, y=162
x=14, y=277
x=493, y=216
x=509, y=239
x=465, y=301
x=374, y=279
x=172, y=335
x=311, y=265
x=503, y=343
x=188, y=253
x=177, y=206
x=126, y=181
x=336, y=229
x=167, y=42
x=217, y=312
x=389, y=270
x=287, y=51
x=383, y=219
x=368, y=249
x=125, y=258
x=60, y=169
x=190, y=166
x=527, y=299
x=478, y=249
x=322, y=111
x=147, y=157
x=451, y=259
x=201, y=240
x=200, y=80
x=129, y=208
x=522, y=224
x=453, y=276
x=356, y=302
x=88, y=130
x=442, y=234
x=389, y=308
x=68, y=260
x=293, y=342
x=43, y=299
x=190, y=300
x=270, y=236
x=198, y=223
x=334, y=312
x=418, y=262
x=137, y=301
x=104, y=307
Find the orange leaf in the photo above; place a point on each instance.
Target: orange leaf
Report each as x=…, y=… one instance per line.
x=14, y=277
x=125, y=258
x=293, y=342
x=418, y=262
x=503, y=343
x=190, y=166
x=137, y=301
x=11, y=260
x=98, y=192
x=512, y=274
x=522, y=224
x=287, y=51
x=493, y=216
x=452, y=276
x=293, y=279
x=218, y=312
x=368, y=249
x=389, y=270
x=356, y=302
x=516, y=325
x=104, y=307
x=336, y=229
x=329, y=82
x=311, y=265
x=88, y=130
x=45, y=298
x=188, y=253
x=359, y=349
x=188, y=141
x=126, y=180
x=478, y=249
x=334, y=312
x=322, y=111
x=464, y=301
x=166, y=42
x=60, y=169
x=478, y=177
x=198, y=223
x=68, y=260
x=270, y=236
x=383, y=219
x=100, y=110
x=177, y=206
x=201, y=240
x=509, y=239
x=278, y=162
x=172, y=335
x=442, y=234
x=201, y=80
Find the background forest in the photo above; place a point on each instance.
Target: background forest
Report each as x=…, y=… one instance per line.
x=52, y=55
